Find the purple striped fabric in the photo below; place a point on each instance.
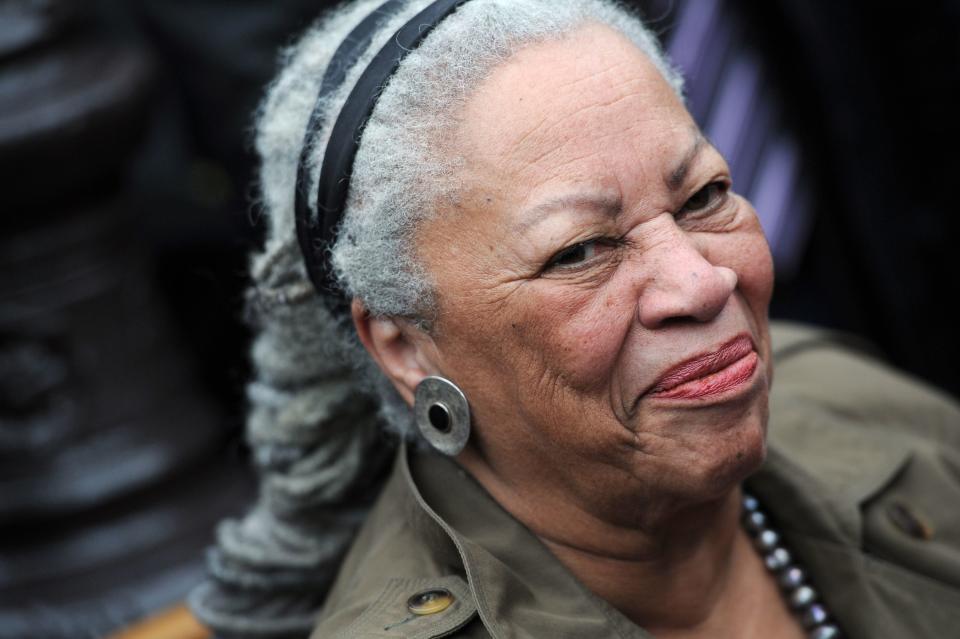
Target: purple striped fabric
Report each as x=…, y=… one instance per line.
x=728, y=97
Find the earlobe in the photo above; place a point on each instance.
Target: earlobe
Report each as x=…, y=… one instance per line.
x=396, y=346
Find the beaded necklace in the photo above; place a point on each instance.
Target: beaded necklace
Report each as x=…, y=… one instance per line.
x=800, y=596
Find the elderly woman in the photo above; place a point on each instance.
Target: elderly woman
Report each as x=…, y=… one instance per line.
x=515, y=231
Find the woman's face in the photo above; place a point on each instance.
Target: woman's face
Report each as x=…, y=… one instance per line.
x=596, y=273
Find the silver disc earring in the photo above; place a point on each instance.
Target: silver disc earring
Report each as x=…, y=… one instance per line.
x=442, y=414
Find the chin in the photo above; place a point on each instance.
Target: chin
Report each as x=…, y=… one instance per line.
x=735, y=456
x=695, y=455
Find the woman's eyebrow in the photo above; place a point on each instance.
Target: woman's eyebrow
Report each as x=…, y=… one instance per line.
x=675, y=178
x=607, y=203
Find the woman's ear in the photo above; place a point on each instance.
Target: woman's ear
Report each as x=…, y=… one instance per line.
x=398, y=348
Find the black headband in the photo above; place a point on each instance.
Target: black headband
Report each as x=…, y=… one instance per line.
x=316, y=236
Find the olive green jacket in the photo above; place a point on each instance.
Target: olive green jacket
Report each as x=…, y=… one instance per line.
x=862, y=479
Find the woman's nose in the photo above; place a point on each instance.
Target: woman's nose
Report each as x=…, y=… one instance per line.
x=684, y=286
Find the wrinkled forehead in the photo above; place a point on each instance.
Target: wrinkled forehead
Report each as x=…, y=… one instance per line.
x=585, y=108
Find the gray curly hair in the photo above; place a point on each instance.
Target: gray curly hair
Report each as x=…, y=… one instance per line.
x=317, y=403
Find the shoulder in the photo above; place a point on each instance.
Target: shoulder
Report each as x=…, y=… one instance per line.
x=883, y=445
x=822, y=373
x=401, y=578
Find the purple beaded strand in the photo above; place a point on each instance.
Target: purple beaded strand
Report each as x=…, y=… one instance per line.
x=800, y=596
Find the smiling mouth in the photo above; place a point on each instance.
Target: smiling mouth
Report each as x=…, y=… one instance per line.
x=714, y=373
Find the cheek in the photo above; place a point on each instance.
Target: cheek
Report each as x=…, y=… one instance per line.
x=546, y=341
x=754, y=267
x=745, y=250
x=577, y=333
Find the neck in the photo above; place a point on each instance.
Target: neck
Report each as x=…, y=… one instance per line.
x=674, y=570
x=676, y=576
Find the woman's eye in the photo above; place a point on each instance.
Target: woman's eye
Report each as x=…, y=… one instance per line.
x=575, y=255
x=706, y=198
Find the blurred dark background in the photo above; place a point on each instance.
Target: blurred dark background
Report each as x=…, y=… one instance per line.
x=128, y=214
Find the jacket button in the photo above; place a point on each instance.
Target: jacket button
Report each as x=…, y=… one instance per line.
x=908, y=522
x=430, y=602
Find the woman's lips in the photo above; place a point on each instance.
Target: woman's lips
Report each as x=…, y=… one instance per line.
x=711, y=373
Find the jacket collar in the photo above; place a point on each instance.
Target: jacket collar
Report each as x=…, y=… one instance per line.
x=519, y=587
